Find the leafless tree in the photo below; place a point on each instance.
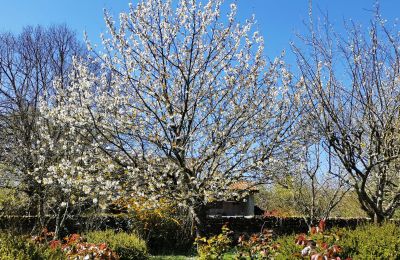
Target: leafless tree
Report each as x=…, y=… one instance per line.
x=318, y=186
x=353, y=83
x=29, y=64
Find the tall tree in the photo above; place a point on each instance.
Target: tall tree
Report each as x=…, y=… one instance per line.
x=353, y=82
x=186, y=103
x=33, y=143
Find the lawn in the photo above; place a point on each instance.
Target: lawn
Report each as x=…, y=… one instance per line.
x=228, y=256
x=172, y=257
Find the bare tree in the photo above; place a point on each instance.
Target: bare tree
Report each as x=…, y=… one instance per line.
x=29, y=64
x=318, y=187
x=353, y=82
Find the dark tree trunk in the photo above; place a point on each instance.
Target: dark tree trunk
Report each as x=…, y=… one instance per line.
x=200, y=220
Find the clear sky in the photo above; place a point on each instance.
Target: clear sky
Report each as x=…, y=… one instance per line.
x=278, y=20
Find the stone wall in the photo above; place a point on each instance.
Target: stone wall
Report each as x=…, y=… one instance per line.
x=287, y=225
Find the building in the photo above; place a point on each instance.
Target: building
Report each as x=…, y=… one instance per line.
x=235, y=208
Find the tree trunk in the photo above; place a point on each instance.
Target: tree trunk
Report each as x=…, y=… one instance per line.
x=378, y=218
x=60, y=220
x=41, y=213
x=375, y=212
x=200, y=220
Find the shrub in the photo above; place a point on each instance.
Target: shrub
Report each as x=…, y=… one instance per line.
x=22, y=248
x=12, y=202
x=288, y=249
x=257, y=246
x=319, y=244
x=71, y=247
x=127, y=246
x=166, y=228
x=365, y=242
x=215, y=246
x=372, y=242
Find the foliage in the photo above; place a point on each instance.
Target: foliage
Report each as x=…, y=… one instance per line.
x=214, y=247
x=74, y=246
x=127, y=246
x=257, y=246
x=165, y=227
x=13, y=202
x=277, y=201
x=365, y=242
x=318, y=244
x=349, y=207
x=171, y=257
x=372, y=242
x=14, y=247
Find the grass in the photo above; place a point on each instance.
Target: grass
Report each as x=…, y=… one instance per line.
x=172, y=257
x=182, y=257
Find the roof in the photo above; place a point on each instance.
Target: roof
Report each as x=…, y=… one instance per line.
x=243, y=185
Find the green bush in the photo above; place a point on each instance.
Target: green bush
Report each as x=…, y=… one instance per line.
x=21, y=248
x=214, y=247
x=288, y=248
x=127, y=246
x=365, y=242
x=12, y=202
x=372, y=242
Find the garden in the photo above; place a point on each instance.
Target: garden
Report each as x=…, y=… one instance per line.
x=365, y=242
x=174, y=135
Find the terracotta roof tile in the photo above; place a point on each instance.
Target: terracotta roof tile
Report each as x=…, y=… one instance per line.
x=243, y=185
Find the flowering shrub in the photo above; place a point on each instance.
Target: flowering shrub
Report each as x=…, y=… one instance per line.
x=257, y=246
x=214, y=247
x=84, y=250
x=318, y=244
x=164, y=226
x=74, y=247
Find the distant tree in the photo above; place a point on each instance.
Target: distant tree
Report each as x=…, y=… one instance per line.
x=318, y=186
x=353, y=83
x=33, y=144
x=186, y=103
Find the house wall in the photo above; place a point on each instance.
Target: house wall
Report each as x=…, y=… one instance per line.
x=250, y=205
x=233, y=208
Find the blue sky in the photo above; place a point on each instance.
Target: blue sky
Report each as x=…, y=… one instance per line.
x=278, y=20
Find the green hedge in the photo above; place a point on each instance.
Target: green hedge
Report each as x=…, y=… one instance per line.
x=127, y=246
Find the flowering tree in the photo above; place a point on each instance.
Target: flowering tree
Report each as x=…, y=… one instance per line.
x=186, y=102
x=45, y=158
x=71, y=172
x=353, y=85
